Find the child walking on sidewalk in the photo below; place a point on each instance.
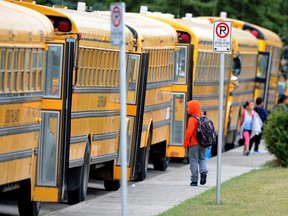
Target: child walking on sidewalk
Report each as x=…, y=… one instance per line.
x=196, y=151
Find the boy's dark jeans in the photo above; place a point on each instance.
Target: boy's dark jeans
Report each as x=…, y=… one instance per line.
x=256, y=139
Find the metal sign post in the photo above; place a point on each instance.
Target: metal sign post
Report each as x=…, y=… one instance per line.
x=118, y=39
x=221, y=43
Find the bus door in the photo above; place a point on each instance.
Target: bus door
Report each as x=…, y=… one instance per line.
x=182, y=92
x=137, y=69
x=53, y=150
x=262, y=76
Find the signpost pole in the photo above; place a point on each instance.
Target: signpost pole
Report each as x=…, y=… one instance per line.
x=220, y=127
x=118, y=38
x=222, y=44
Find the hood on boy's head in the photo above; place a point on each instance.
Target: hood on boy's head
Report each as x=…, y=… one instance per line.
x=194, y=107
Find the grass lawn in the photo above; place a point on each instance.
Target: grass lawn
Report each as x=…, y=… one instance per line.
x=259, y=192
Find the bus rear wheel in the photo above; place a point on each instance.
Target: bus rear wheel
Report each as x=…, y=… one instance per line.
x=144, y=160
x=79, y=194
x=25, y=205
x=111, y=185
x=160, y=164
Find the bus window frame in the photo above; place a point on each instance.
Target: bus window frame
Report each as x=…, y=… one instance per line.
x=60, y=69
x=136, y=71
x=178, y=61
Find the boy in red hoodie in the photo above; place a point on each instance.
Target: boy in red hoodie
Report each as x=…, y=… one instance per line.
x=196, y=151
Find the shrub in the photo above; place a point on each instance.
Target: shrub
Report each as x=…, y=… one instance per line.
x=276, y=135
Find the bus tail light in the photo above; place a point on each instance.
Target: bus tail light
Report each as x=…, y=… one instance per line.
x=64, y=26
x=184, y=37
x=61, y=24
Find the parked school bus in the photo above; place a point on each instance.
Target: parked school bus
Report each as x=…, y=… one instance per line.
x=84, y=69
x=150, y=105
x=196, y=76
x=31, y=158
x=269, y=50
x=245, y=57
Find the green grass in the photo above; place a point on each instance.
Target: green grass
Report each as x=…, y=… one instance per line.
x=259, y=192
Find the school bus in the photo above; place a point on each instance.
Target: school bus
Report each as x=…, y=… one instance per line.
x=244, y=68
x=283, y=80
x=83, y=88
x=269, y=50
x=150, y=105
x=30, y=156
x=196, y=76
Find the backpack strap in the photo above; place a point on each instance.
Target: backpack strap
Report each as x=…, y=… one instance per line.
x=197, y=117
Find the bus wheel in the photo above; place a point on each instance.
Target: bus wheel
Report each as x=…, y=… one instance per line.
x=144, y=160
x=112, y=185
x=160, y=164
x=25, y=205
x=79, y=194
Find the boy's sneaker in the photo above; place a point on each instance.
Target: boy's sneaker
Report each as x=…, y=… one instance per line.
x=203, y=178
x=194, y=183
x=256, y=152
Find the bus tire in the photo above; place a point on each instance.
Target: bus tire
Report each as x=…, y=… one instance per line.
x=111, y=185
x=144, y=160
x=25, y=205
x=160, y=164
x=79, y=194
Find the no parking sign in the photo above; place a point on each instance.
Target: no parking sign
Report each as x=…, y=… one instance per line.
x=222, y=36
x=117, y=14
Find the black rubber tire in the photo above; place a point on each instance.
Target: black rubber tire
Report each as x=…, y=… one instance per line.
x=160, y=164
x=141, y=175
x=111, y=185
x=79, y=194
x=144, y=159
x=25, y=205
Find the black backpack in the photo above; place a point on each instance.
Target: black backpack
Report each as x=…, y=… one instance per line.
x=206, y=134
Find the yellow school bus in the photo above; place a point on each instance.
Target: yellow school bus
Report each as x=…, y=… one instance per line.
x=83, y=87
x=196, y=76
x=269, y=50
x=30, y=156
x=245, y=56
x=148, y=107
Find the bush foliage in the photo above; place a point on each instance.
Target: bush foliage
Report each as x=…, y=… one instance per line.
x=276, y=135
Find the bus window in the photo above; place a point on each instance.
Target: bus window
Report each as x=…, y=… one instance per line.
x=129, y=129
x=21, y=76
x=263, y=61
x=15, y=69
x=2, y=61
x=40, y=70
x=27, y=71
x=9, y=70
x=236, y=69
x=133, y=65
x=48, y=149
x=180, y=65
x=53, y=71
x=178, y=118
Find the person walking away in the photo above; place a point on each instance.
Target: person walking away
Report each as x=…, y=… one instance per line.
x=263, y=116
x=245, y=125
x=282, y=104
x=196, y=152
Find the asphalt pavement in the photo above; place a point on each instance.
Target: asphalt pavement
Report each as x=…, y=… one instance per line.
x=167, y=189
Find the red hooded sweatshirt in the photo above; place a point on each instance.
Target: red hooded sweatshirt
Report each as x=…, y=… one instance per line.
x=194, y=108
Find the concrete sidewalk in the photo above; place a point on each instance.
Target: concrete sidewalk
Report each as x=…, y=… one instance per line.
x=157, y=194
